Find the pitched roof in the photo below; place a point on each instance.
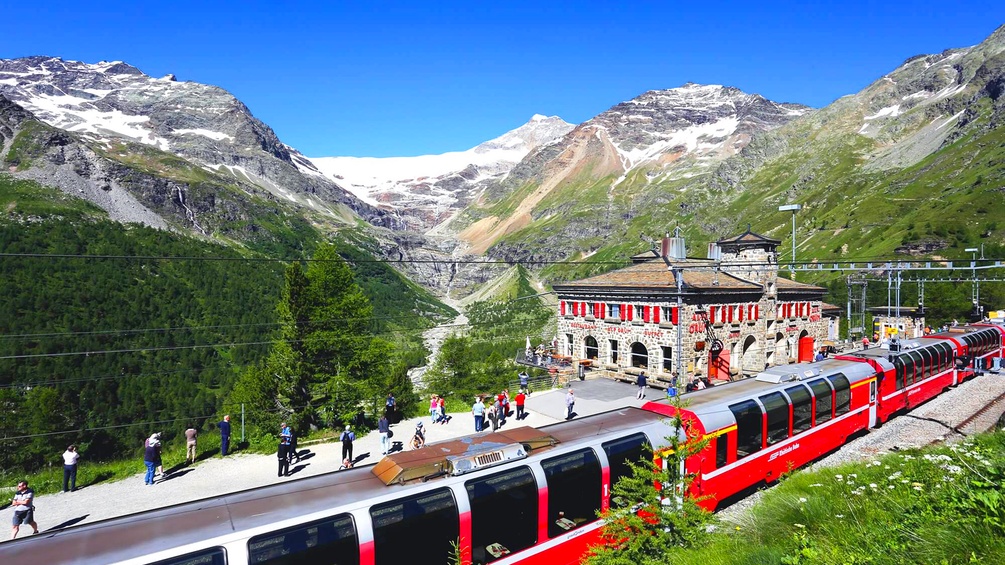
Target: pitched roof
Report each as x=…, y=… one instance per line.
x=747, y=238
x=654, y=274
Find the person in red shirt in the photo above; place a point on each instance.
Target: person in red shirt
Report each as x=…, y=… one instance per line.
x=520, y=399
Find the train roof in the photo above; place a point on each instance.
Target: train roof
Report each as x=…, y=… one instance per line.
x=152, y=531
x=711, y=405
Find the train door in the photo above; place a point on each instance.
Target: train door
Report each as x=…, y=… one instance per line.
x=872, y=404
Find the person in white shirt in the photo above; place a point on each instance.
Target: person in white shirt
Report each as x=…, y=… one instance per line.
x=70, y=458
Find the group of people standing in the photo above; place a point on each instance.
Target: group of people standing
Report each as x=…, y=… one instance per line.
x=497, y=409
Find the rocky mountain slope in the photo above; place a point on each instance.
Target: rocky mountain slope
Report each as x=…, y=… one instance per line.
x=569, y=188
x=428, y=189
x=114, y=109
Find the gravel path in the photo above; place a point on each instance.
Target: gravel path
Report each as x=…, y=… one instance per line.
x=938, y=420
x=237, y=472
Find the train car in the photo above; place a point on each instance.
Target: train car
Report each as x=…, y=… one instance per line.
x=522, y=495
x=777, y=421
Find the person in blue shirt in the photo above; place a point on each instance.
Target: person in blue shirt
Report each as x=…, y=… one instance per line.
x=224, y=426
x=285, y=437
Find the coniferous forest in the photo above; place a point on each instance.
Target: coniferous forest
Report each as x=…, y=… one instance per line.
x=109, y=331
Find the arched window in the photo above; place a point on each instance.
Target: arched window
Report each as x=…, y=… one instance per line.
x=592, y=351
x=640, y=355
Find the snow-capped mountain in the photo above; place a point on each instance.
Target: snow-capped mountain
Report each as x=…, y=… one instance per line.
x=111, y=102
x=428, y=189
x=667, y=135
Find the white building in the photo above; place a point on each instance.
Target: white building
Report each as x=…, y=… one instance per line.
x=629, y=319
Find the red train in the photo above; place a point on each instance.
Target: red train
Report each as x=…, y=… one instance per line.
x=530, y=495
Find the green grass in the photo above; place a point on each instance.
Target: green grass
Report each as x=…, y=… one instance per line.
x=942, y=505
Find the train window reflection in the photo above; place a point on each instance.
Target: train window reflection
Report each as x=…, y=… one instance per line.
x=802, y=408
x=421, y=526
x=777, y=409
x=749, y=432
x=332, y=540
x=503, y=514
x=619, y=452
x=842, y=394
x=574, y=484
x=212, y=556
x=824, y=397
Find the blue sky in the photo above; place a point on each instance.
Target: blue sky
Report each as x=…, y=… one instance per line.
x=396, y=78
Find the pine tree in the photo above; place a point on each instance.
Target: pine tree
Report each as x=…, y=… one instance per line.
x=659, y=521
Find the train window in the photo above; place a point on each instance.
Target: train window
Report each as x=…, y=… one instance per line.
x=926, y=358
x=426, y=523
x=899, y=372
x=777, y=409
x=721, y=450
x=574, y=484
x=919, y=367
x=620, y=452
x=211, y=556
x=748, y=427
x=842, y=394
x=802, y=408
x=825, y=407
x=332, y=540
x=503, y=513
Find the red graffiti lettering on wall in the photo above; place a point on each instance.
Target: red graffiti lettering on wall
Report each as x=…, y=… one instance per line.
x=696, y=328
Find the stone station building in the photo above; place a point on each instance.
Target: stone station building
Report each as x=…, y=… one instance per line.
x=628, y=320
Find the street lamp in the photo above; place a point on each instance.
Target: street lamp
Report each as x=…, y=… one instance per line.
x=976, y=293
x=795, y=208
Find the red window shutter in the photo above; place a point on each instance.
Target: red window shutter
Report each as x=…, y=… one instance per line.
x=645, y=314
x=739, y=312
x=631, y=312
x=562, y=307
x=757, y=311
x=598, y=309
x=711, y=314
x=656, y=314
x=623, y=312
x=729, y=314
x=675, y=316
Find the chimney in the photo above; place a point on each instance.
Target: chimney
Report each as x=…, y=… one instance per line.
x=714, y=253
x=666, y=246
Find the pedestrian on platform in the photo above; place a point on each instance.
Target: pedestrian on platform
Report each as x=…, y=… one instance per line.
x=385, y=434
x=641, y=382
x=478, y=411
x=191, y=438
x=524, y=381
x=570, y=404
x=389, y=407
x=283, y=453
x=434, y=408
x=151, y=457
x=24, y=509
x=521, y=398
x=347, y=438
x=70, y=458
x=224, y=426
x=442, y=407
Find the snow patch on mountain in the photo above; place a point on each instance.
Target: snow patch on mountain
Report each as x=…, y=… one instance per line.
x=429, y=186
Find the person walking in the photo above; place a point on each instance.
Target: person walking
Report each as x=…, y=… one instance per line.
x=478, y=411
x=641, y=381
x=224, y=426
x=151, y=457
x=347, y=438
x=385, y=434
x=442, y=406
x=191, y=436
x=434, y=408
x=570, y=404
x=24, y=509
x=520, y=399
x=70, y=458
